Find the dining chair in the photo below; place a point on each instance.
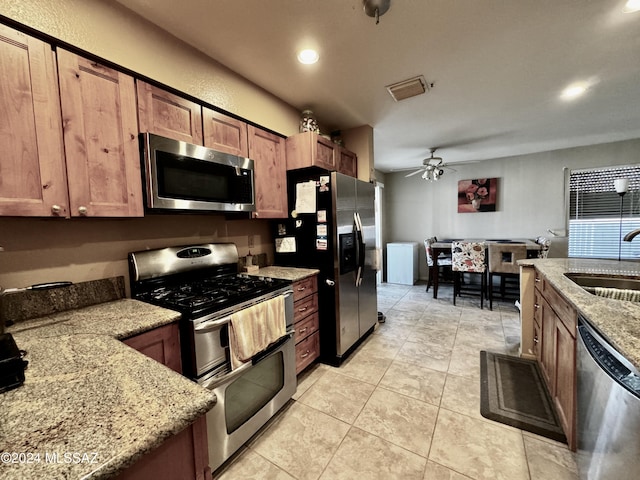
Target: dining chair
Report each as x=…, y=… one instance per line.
x=503, y=260
x=444, y=262
x=468, y=258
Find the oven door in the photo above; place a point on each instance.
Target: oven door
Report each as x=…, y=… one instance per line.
x=248, y=397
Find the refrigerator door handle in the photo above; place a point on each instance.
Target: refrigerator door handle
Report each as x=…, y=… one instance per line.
x=360, y=248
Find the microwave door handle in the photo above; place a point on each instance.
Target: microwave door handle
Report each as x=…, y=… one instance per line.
x=211, y=325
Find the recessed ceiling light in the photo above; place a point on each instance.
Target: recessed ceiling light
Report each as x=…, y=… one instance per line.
x=631, y=6
x=308, y=56
x=573, y=91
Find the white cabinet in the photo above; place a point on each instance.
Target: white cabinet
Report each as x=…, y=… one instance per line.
x=402, y=263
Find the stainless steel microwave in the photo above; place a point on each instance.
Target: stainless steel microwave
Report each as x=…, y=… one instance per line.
x=182, y=176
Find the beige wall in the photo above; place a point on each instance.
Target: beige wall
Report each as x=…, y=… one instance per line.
x=43, y=250
x=108, y=30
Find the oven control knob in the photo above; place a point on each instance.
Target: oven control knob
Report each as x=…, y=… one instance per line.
x=82, y=210
x=330, y=282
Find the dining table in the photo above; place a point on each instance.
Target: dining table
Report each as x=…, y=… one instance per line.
x=444, y=247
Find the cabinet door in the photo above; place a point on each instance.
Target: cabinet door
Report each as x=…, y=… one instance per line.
x=548, y=347
x=225, y=133
x=100, y=138
x=347, y=163
x=169, y=115
x=268, y=152
x=32, y=170
x=565, y=391
x=162, y=344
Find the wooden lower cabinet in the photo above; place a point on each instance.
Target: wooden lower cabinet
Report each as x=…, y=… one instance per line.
x=184, y=455
x=556, y=350
x=306, y=322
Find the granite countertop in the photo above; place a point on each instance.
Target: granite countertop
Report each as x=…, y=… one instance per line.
x=85, y=392
x=618, y=321
x=286, y=273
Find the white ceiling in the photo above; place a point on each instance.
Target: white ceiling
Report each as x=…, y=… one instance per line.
x=498, y=67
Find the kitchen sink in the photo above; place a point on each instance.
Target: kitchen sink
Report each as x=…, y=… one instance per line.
x=615, y=287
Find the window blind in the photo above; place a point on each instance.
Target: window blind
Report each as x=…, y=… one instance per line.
x=596, y=221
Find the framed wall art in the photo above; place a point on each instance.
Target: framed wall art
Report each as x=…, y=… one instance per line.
x=477, y=195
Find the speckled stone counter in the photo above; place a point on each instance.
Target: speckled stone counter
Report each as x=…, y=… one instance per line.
x=617, y=320
x=88, y=393
x=286, y=273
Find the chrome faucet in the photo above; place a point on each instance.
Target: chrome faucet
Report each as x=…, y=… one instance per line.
x=631, y=235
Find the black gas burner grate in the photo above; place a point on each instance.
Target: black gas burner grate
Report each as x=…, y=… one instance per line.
x=211, y=293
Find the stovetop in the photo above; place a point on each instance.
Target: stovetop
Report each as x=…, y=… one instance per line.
x=205, y=295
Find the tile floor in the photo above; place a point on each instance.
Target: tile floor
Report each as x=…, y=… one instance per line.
x=405, y=405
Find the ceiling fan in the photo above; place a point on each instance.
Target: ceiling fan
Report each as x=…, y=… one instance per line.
x=432, y=167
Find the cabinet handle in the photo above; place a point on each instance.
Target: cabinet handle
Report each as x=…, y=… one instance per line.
x=303, y=330
x=537, y=280
x=305, y=354
x=56, y=209
x=82, y=210
x=536, y=306
x=302, y=289
x=535, y=340
x=303, y=309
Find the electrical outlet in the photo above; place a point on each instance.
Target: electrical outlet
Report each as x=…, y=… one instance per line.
x=250, y=241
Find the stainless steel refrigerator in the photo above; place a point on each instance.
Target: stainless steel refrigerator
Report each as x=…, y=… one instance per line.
x=331, y=227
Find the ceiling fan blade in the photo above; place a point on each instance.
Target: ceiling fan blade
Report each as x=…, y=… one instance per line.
x=414, y=173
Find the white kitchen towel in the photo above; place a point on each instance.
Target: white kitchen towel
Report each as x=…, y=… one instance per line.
x=619, y=293
x=253, y=329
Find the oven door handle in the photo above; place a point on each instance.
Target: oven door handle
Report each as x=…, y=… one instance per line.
x=217, y=381
x=212, y=325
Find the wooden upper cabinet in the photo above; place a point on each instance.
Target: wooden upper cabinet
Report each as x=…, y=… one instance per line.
x=268, y=153
x=168, y=115
x=310, y=149
x=347, y=162
x=224, y=133
x=100, y=126
x=32, y=169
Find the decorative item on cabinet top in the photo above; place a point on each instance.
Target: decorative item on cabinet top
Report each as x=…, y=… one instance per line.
x=308, y=122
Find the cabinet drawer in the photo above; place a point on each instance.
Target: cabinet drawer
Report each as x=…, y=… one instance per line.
x=305, y=287
x=306, y=327
x=307, y=351
x=537, y=310
x=305, y=307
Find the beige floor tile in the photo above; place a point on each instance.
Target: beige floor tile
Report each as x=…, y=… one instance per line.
x=428, y=355
x=443, y=335
x=302, y=441
x=251, y=466
x=368, y=367
x=337, y=395
x=438, y=472
x=363, y=456
x=403, y=317
x=414, y=381
x=462, y=395
x=401, y=420
x=478, y=449
x=383, y=345
x=465, y=361
x=549, y=460
x=413, y=306
x=308, y=377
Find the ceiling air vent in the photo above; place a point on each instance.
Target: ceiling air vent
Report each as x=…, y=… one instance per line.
x=408, y=88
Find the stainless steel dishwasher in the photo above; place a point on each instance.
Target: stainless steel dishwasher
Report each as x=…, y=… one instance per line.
x=608, y=409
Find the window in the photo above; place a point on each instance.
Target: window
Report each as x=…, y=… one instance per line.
x=599, y=217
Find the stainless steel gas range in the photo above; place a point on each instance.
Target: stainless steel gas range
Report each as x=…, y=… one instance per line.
x=202, y=283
